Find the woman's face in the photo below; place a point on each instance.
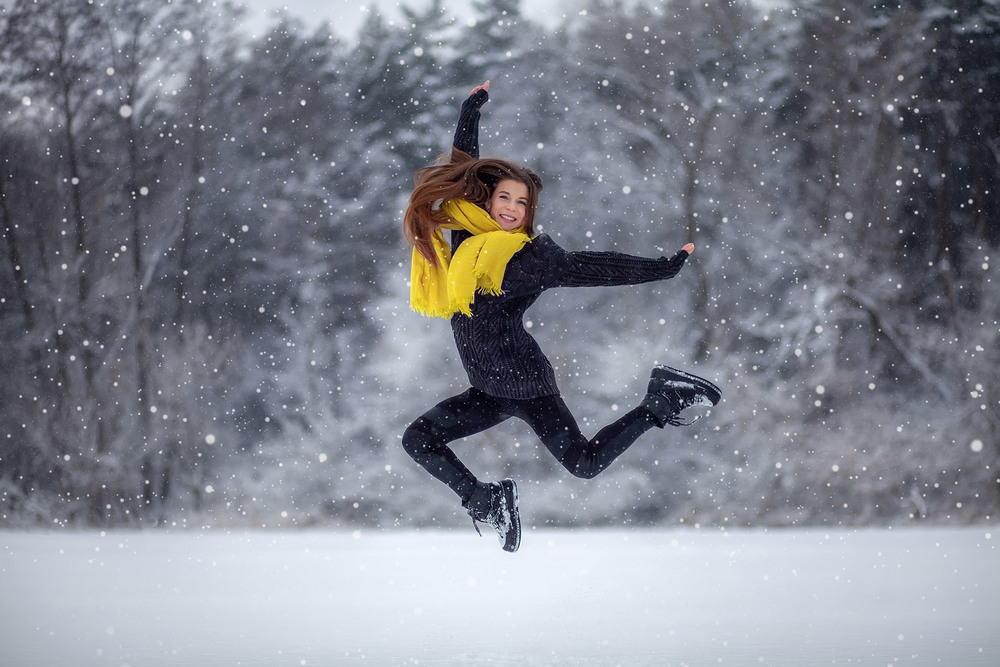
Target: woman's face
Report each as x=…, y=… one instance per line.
x=509, y=204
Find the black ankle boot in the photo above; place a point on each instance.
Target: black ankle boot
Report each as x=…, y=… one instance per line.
x=495, y=504
x=671, y=391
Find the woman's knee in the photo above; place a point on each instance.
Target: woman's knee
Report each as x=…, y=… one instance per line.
x=583, y=469
x=416, y=438
x=571, y=449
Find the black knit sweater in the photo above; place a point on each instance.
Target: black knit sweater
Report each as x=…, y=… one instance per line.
x=501, y=358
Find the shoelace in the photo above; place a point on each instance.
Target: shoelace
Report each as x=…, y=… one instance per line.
x=475, y=524
x=677, y=421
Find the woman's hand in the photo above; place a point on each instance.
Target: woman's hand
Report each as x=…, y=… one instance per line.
x=485, y=86
x=674, y=264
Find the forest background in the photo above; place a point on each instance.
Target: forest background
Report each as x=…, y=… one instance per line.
x=203, y=285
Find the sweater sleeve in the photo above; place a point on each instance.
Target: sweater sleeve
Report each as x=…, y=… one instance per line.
x=542, y=264
x=609, y=269
x=467, y=141
x=467, y=132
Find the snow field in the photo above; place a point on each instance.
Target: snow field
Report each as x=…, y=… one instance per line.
x=568, y=597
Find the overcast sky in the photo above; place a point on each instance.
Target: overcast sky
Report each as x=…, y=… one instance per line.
x=346, y=15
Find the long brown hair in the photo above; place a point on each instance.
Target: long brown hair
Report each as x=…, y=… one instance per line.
x=461, y=176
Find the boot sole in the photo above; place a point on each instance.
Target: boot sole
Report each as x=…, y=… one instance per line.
x=513, y=538
x=667, y=373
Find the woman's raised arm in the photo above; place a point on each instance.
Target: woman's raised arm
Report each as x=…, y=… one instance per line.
x=467, y=132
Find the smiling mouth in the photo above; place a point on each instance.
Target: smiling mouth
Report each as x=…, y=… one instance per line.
x=508, y=218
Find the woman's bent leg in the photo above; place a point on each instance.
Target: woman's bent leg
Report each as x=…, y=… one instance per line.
x=425, y=440
x=552, y=421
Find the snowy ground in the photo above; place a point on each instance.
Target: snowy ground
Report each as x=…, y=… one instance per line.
x=584, y=597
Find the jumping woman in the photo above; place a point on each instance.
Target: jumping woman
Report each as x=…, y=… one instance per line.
x=493, y=269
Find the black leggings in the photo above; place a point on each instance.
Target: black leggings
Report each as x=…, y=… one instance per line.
x=427, y=438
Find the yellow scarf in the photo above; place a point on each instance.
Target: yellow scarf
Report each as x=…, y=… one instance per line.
x=450, y=286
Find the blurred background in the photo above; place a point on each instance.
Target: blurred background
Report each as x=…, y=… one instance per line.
x=203, y=284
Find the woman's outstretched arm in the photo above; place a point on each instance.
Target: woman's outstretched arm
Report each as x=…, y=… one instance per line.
x=467, y=132
x=543, y=265
x=596, y=269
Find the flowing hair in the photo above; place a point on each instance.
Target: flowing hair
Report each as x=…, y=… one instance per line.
x=461, y=176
